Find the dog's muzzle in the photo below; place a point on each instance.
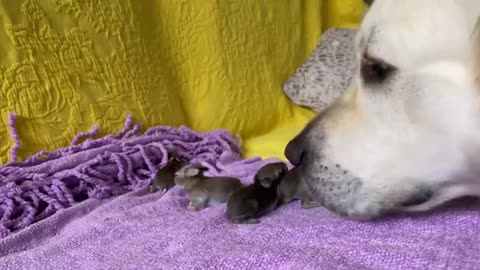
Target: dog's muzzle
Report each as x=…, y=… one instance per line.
x=338, y=189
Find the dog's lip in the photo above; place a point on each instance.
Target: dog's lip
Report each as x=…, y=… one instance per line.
x=418, y=199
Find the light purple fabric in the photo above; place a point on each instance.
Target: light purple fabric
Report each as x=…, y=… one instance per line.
x=139, y=230
x=151, y=231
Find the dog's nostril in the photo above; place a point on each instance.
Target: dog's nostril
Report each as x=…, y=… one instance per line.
x=295, y=151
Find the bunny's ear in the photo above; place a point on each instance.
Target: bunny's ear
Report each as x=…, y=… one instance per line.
x=172, y=156
x=191, y=171
x=195, y=170
x=263, y=181
x=202, y=169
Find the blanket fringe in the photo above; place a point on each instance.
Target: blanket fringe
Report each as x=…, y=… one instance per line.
x=98, y=168
x=12, y=119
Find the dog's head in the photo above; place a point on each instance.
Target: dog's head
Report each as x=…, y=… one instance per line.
x=407, y=131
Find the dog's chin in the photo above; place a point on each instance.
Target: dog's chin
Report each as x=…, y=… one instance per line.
x=343, y=193
x=338, y=190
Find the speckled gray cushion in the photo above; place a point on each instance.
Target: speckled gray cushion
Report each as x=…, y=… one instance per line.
x=327, y=72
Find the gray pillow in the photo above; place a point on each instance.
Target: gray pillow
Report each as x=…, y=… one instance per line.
x=327, y=72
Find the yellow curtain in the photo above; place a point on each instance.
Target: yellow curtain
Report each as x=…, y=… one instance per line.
x=66, y=65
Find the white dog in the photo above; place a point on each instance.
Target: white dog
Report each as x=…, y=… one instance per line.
x=406, y=134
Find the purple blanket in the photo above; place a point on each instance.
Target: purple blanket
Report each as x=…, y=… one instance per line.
x=48, y=224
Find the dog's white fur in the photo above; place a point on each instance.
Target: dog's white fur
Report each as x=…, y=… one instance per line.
x=421, y=127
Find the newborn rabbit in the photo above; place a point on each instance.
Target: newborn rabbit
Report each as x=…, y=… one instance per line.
x=251, y=202
x=164, y=179
x=292, y=187
x=205, y=191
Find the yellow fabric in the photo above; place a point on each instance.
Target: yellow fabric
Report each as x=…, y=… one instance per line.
x=66, y=65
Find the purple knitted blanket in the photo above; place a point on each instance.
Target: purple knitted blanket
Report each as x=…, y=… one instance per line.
x=43, y=201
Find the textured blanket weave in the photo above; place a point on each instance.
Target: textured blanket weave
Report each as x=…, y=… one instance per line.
x=100, y=168
x=139, y=230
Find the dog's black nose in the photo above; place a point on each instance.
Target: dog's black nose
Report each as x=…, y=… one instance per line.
x=298, y=148
x=295, y=151
x=368, y=2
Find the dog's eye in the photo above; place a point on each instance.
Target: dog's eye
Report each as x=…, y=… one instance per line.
x=375, y=71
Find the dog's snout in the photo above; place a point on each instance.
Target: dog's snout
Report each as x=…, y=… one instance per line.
x=295, y=150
